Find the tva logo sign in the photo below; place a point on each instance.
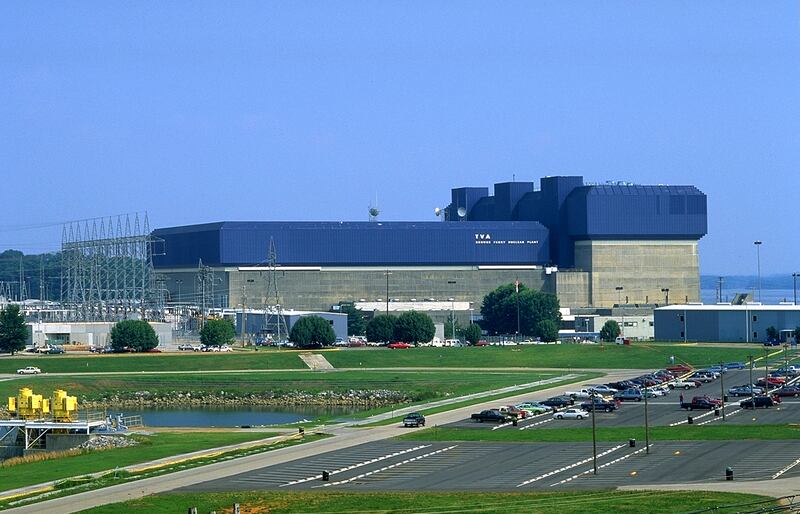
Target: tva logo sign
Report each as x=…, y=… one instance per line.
x=483, y=237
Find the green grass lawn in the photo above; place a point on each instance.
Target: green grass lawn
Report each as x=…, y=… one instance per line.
x=419, y=385
x=152, y=447
x=677, y=433
x=588, y=502
x=636, y=356
x=155, y=362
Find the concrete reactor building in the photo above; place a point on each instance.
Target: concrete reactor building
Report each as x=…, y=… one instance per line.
x=593, y=246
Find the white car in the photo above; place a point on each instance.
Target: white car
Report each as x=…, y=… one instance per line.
x=571, y=414
x=602, y=389
x=225, y=348
x=30, y=370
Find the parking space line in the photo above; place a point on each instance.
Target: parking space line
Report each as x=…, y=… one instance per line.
x=548, y=420
x=358, y=465
x=565, y=468
x=391, y=466
x=501, y=425
x=718, y=418
x=694, y=418
x=573, y=477
x=787, y=468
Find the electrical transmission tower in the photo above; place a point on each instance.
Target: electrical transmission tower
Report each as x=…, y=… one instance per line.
x=205, y=281
x=107, y=269
x=273, y=311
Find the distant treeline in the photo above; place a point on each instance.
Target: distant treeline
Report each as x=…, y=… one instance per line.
x=34, y=267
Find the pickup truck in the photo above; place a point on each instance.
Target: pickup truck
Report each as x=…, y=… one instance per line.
x=490, y=415
x=580, y=394
x=682, y=384
x=700, y=402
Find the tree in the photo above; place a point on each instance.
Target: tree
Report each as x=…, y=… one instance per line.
x=216, y=332
x=499, y=310
x=414, y=327
x=13, y=330
x=134, y=334
x=448, y=327
x=547, y=330
x=356, y=324
x=772, y=334
x=472, y=334
x=381, y=328
x=797, y=334
x=610, y=331
x=312, y=331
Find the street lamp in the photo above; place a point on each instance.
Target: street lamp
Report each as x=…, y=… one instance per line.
x=452, y=311
x=594, y=432
x=794, y=285
x=722, y=388
x=766, y=371
x=752, y=385
x=646, y=423
x=665, y=290
x=758, y=266
x=619, y=304
x=387, y=273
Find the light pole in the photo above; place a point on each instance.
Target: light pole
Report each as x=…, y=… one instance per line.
x=786, y=356
x=752, y=385
x=387, y=273
x=758, y=266
x=619, y=304
x=594, y=433
x=722, y=388
x=665, y=290
x=178, y=302
x=452, y=311
x=646, y=423
x=794, y=285
x=516, y=287
x=766, y=370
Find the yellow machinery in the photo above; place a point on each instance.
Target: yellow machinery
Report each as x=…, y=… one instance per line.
x=28, y=405
x=65, y=408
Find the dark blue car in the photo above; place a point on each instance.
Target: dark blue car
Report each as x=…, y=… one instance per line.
x=735, y=365
x=629, y=395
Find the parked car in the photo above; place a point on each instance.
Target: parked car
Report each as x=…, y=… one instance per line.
x=580, y=394
x=415, y=419
x=55, y=350
x=558, y=401
x=512, y=411
x=760, y=401
x=490, y=415
x=703, y=377
x=603, y=405
x=744, y=390
x=791, y=390
x=602, y=389
x=629, y=395
x=399, y=346
x=571, y=414
x=735, y=365
x=534, y=407
x=186, y=346
x=772, y=343
x=772, y=381
x=717, y=369
x=700, y=402
x=225, y=348
x=153, y=350
x=29, y=370
x=679, y=368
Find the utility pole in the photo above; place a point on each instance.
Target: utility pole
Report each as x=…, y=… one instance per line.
x=516, y=338
x=766, y=371
x=722, y=388
x=794, y=285
x=244, y=310
x=719, y=295
x=752, y=385
x=594, y=433
x=646, y=424
x=387, y=273
x=452, y=312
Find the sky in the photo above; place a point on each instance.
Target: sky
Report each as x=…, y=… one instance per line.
x=200, y=111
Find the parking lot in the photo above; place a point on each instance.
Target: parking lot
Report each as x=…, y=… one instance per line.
x=665, y=410
x=449, y=466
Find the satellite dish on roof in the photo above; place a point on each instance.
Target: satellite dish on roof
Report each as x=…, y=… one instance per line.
x=462, y=211
x=437, y=211
x=373, y=212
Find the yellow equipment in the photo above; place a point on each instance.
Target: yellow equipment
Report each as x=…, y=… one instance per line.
x=65, y=408
x=28, y=405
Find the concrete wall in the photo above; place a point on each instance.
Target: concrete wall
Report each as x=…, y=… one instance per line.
x=318, y=290
x=573, y=288
x=642, y=269
x=60, y=442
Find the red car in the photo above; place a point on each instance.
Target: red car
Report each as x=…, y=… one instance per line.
x=482, y=343
x=679, y=368
x=400, y=346
x=773, y=381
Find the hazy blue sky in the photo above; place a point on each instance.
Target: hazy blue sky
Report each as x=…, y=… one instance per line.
x=208, y=111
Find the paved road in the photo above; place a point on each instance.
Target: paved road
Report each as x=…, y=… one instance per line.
x=344, y=437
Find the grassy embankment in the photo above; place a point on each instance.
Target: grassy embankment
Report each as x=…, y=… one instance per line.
x=566, y=356
x=151, y=447
x=676, y=433
x=587, y=502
